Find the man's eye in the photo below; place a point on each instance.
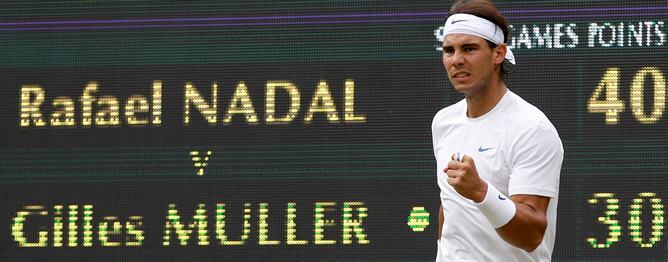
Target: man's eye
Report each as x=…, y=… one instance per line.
x=447, y=50
x=469, y=49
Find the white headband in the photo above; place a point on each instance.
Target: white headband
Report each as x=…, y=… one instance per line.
x=476, y=26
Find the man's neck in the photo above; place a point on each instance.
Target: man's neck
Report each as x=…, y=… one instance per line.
x=483, y=102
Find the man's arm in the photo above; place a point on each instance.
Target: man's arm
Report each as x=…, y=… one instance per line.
x=526, y=228
x=440, y=222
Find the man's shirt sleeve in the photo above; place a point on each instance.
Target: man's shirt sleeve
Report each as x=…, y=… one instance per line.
x=536, y=155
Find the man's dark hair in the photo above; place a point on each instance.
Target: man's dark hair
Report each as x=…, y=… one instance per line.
x=487, y=10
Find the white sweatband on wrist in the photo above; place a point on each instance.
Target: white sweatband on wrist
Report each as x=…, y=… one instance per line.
x=497, y=208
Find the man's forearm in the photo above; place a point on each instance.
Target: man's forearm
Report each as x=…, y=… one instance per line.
x=527, y=228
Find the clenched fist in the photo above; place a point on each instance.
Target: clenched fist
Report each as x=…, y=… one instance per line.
x=463, y=177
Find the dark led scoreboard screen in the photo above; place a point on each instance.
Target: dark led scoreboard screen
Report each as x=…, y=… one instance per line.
x=301, y=130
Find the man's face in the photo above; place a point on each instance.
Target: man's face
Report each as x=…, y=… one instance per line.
x=469, y=62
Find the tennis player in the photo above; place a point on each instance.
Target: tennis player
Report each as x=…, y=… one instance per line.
x=498, y=157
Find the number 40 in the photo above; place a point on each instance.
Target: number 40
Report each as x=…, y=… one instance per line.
x=611, y=106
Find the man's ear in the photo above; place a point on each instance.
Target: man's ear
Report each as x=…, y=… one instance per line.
x=500, y=53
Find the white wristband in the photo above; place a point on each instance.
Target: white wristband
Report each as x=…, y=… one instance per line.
x=497, y=208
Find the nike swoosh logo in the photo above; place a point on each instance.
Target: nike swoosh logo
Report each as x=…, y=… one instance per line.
x=480, y=149
x=457, y=21
x=501, y=198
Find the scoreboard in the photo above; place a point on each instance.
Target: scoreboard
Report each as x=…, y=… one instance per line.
x=300, y=130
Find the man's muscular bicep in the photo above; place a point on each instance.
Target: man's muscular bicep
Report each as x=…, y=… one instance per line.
x=536, y=203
